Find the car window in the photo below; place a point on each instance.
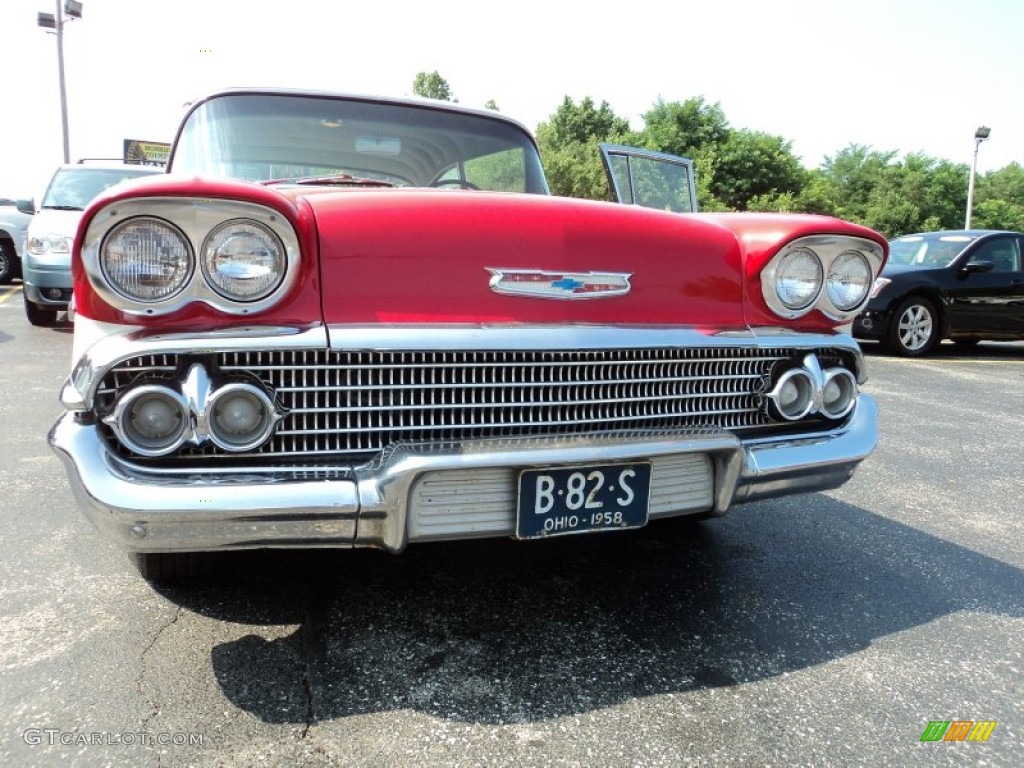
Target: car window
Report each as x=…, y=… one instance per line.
x=1003, y=252
x=76, y=187
x=259, y=137
x=928, y=250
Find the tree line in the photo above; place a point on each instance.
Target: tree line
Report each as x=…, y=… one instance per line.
x=746, y=170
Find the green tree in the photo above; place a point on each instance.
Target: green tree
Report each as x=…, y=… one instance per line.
x=569, y=148
x=689, y=128
x=750, y=164
x=999, y=203
x=430, y=85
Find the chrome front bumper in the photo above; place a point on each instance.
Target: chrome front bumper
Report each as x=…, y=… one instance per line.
x=383, y=504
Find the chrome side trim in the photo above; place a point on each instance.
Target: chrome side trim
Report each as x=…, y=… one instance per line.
x=515, y=337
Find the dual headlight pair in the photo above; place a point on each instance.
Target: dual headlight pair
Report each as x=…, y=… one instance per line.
x=832, y=273
x=154, y=255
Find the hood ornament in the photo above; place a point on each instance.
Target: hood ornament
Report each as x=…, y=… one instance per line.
x=541, y=284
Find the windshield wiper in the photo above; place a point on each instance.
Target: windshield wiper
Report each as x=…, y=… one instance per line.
x=337, y=180
x=64, y=207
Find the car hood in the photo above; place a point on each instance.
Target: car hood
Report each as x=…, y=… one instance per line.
x=48, y=221
x=430, y=256
x=893, y=271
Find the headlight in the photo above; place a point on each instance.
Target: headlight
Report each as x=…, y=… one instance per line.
x=146, y=259
x=798, y=279
x=848, y=281
x=243, y=260
x=42, y=244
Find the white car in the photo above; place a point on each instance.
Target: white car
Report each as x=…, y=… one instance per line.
x=13, y=228
x=46, y=263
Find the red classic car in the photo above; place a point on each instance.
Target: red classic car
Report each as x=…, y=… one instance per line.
x=355, y=322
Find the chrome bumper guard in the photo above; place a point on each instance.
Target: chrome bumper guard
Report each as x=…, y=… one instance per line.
x=370, y=505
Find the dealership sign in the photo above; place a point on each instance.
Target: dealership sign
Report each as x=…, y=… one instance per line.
x=146, y=152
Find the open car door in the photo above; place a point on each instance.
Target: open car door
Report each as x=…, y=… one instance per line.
x=651, y=179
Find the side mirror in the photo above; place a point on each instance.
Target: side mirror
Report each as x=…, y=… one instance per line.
x=26, y=206
x=976, y=267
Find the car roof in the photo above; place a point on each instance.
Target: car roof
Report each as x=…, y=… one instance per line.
x=974, y=233
x=448, y=106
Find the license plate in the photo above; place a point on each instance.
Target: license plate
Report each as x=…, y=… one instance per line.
x=564, y=500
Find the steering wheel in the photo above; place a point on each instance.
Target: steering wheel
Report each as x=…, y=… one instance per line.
x=455, y=183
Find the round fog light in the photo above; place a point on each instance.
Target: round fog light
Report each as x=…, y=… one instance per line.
x=839, y=394
x=242, y=417
x=150, y=420
x=793, y=395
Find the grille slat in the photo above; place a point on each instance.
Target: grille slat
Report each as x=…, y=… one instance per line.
x=351, y=405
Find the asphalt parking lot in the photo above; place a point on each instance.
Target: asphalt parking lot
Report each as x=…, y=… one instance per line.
x=826, y=629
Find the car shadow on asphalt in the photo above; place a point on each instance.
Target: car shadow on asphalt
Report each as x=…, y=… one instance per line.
x=985, y=350
x=499, y=631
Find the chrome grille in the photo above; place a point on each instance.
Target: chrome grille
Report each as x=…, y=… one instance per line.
x=350, y=405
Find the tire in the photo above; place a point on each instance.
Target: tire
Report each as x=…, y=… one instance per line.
x=914, y=328
x=172, y=566
x=8, y=262
x=41, y=316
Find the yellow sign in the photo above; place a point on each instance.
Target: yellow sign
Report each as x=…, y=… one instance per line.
x=146, y=152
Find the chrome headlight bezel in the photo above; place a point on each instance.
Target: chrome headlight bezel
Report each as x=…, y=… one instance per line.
x=827, y=249
x=196, y=219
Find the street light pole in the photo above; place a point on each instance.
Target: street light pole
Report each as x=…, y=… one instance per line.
x=59, y=16
x=979, y=136
x=56, y=22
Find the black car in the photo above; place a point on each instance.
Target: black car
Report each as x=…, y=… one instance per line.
x=965, y=285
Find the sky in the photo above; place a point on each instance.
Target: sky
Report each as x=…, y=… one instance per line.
x=895, y=75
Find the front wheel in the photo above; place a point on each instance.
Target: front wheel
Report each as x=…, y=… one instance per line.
x=8, y=262
x=173, y=566
x=41, y=316
x=914, y=330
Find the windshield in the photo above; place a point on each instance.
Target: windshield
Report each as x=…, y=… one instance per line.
x=74, y=188
x=930, y=250
x=277, y=137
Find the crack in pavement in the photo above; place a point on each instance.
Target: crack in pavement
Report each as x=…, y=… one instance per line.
x=313, y=648
x=155, y=709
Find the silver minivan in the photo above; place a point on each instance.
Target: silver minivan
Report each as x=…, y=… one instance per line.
x=46, y=263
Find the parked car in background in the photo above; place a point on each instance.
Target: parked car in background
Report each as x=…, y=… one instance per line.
x=961, y=285
x=46, y=264
x=13, y=228
x=355, y=322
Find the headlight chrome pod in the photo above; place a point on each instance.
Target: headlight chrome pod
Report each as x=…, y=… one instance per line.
x=152, y=256
x=150, y=419
x=839, y=393
x=156, y=417
x=240, y=416
x=831, y=273
x=800, y=388
x=792, y=397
